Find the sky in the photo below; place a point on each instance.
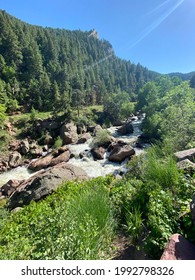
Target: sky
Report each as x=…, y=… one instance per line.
x=158, y=34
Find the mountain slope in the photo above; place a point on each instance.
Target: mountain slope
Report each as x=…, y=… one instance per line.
x=45, y=67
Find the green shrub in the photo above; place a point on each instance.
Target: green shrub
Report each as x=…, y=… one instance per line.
x=58, y=143
x=4, y=142
x=134, y=222
x=162, y=221
x=33, y=114
x=163, y=172
x=102, y=138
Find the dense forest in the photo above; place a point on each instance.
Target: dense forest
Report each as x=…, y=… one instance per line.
x=51, y=69
x=50, y=78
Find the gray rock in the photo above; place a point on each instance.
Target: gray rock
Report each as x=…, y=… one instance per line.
x=68, y=133
x=81, y=128
x=15, y=159
x=120, y=152
x=44, y=183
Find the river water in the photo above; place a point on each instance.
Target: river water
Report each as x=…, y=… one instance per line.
x=87, y=163
x=104, y=167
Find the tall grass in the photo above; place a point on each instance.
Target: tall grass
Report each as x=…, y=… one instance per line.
x=161, y=171
x=74, y=223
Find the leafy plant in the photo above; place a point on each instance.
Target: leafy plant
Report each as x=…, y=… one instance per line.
x=58, y=142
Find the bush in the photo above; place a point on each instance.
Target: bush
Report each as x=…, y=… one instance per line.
x=33, y=114
x=162, y=221
x=58, y=143
x=102, y=138
x=163, y=171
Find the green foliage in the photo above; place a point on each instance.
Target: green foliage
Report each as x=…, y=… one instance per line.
x=33, y=114
x=192, y=81
x=58, y=143
x=127, y=109
x=4, y=214
x=117, y=106
x=162, y=221
x=130, y=200
x=52, y=69
x=74, y=223
x=169, y=106
x=4, y=142
x=134, y=222
x=2, y=114
x=102, y=138
x=163, y=172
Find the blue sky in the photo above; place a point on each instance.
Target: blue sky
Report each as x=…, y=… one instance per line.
x=159, y=34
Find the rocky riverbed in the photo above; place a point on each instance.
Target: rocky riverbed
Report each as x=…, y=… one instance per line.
x=75, y=159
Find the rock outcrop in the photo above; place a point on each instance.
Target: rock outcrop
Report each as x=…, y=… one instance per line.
x=178, y=248
x=68, y=133
x=58, y=156
x=44, y=183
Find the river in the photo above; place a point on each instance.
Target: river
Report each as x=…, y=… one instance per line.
x=87, y=163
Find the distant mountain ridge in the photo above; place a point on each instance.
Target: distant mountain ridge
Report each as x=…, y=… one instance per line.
x=183, y=76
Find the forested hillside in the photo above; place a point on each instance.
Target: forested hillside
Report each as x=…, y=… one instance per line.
x=137, y=140
x=49, y=68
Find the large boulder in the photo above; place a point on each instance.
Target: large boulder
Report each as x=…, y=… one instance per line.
x=98, y=152
x=15, y=159
x=186, y=154
x=178, y=248
x=40, y=185
x=68, y=133
x=126, y=128
x=84, y=138
x=120, y=152
x=64, y=157
x=41, y=163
